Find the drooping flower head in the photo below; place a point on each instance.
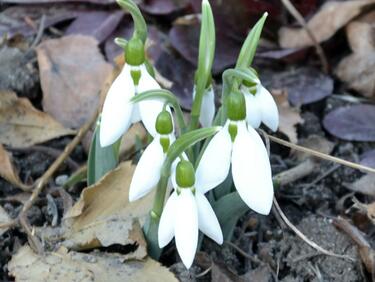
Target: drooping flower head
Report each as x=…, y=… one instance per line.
x=187, y=211
x=147, y=172
x=239, y=145
x=260, y=106
x=118, y=112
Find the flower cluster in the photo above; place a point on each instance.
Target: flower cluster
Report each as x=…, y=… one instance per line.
x=168, y=160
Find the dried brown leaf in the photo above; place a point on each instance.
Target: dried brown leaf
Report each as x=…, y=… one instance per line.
x=73, y=73
x=26, y=265
x=103, y=215
x=7, y=169
x=357, y=69
x=364, y=185
x=332, y=16
x=289, y=116
x=21, y=125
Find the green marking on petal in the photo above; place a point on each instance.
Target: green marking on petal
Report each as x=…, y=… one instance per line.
x=136, y=76
x=165, y=143
x=232, y=129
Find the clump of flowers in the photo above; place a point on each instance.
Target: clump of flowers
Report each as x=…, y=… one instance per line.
x=214, y=150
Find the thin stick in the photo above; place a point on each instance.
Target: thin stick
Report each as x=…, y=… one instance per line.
x=304, y=238
x=320, y=155
x=242, y=252
x=41, y=182
x=319, y=50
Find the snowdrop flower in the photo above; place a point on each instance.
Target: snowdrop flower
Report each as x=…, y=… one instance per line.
x=186, y=211
x=239, y=145
x=118, y=112
x=260, y=106
x=147, y=172
x=208, y=106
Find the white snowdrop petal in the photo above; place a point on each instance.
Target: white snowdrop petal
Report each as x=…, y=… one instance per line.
x=251, y=170
x=207, y=219
x=207, y=108
x=117, y=111
x=149, y=109
x=253, y=113
x=214, y=166
x=167, y=221
x=186, y=226
x=268, y=108
x=147, y=172
x=136, y=115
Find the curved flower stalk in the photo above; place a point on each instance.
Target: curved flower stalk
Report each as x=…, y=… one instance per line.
x=239, y=145
x=260, y=106
x=207, y=113
x=118, y=112
x=147, y=172
x=187, y=211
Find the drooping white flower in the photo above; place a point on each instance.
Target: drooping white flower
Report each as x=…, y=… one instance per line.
x=239, y=145
x=260, y=107
x=187, y=211
x=147, y=172
x=207, y=113
x=251, y=170
x=119, y=113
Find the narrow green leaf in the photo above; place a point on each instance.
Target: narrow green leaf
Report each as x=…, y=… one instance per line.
x=250, y=45
x=229, y=209
x=188, y=139
x=101, y=159
x=206, y=54
x=168, y=97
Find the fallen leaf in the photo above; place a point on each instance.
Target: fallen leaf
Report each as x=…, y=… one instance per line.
x=289, y=116
x=62, y=265
x=368, y=158
x=304, y=85
x=103, y=215
x=21, y=125
x=332, y=16
x=163, y=7
x=13, y=19
x=184, y=37
x=7, y=169
x=357, y=69
x=352, y=123
x=4, y=218
x=364, y=185
x=360, y=33
x=72, y=73
x=181, y=73
x=98, y=24
x=128, y=141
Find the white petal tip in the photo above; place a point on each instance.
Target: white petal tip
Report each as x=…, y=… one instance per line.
x=263, y=208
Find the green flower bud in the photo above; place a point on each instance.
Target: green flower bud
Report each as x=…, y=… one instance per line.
x=236, y=106
x=164, y=124
x=185, y=174
x=135, y=52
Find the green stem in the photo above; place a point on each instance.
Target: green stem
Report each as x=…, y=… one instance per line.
x=151, y=230
x=140, y=27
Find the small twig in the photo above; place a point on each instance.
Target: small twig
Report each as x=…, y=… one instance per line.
x=41, y=182
x=243, y=253
x=304, y=238
x=319, y=50
x=203, y=273
x=39, y=34
x=321, y=155
x=322, y=176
